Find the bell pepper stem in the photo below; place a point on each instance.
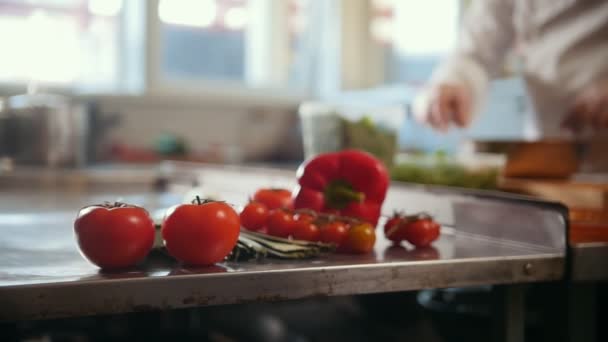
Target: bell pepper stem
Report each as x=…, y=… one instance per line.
x=348, y=194
x=338, y=194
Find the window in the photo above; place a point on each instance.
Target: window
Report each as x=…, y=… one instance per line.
x=253, y=43
x=398, y=27
x=60, y=42
x=203, y=39
x=186, y=44
x=193, y=45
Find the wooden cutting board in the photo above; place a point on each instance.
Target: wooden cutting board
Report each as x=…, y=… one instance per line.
x=546, y=159
x=587, y=203
x=573, y=193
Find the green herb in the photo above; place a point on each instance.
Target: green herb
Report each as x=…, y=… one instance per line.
x=447, y=174
x=367, y=136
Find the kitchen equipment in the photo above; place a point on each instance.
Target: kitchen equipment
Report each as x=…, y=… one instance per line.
x=44, y=129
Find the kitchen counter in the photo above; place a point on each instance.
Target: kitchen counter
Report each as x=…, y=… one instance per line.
x=486, y=239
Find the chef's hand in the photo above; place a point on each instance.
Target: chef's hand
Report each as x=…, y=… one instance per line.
x=448, y=104
x=590, y=109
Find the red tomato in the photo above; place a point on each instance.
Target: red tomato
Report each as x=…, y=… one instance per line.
x=114, y=236
x=334, y=232
x=422, y=232
x=393, y=228
x=280, y=223
x=274, y=198
x=254, y=216
x=305, y=230
x=263, y=230
x=304, y=217
x=360, y=239
x=201, y=234
x=368, y=212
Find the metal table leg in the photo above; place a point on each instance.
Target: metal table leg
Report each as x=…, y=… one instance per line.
x=508, y=313
x=582, y=313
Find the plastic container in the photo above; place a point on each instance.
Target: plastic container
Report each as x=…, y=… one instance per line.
x=330, y=127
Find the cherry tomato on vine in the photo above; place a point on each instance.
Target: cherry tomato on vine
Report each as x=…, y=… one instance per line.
x=280, y=223
x=305, y=230
x=254, y=216
x=114, y=236
x=274, y=198
x=304, y=217
x=202, y=233
x=422, y=232
x=420, y=229
x=393, y=228
x=360, y=239
x=334, y=232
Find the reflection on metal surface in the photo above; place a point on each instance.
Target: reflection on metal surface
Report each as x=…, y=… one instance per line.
x=43, y=275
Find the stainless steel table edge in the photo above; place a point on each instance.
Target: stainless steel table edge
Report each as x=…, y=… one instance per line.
x=109, y=296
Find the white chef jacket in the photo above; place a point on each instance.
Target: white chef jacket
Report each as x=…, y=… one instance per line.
x=564, y=45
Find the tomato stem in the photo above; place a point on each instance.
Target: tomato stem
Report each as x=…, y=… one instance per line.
x=115, y=204
x=200, y=201
x=419, y=216
x=323, y=217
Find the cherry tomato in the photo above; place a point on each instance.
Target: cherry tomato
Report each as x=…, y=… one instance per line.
x=422, y=232
x=305, y=230
x=393, y=228
x=114, y=235
x=201, y=234
x=274, y=198
x=254, y=216
x=334, y=232
x=304, y=217
x=280, y=223
x=366, y=211
x=360, y=238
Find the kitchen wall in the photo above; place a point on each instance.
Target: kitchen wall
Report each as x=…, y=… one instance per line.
x=239, y=132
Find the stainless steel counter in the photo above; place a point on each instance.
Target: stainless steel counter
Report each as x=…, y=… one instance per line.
x=485, y=240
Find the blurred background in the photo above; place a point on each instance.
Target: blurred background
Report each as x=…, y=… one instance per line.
x=226, y=77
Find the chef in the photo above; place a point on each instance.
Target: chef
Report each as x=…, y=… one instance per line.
x=564, y=48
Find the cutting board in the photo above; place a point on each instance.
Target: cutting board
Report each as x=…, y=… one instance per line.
x=542, y=159
x=573, y=193
x=587, y=203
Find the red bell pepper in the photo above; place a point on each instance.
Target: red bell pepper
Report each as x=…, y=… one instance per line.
x=349, y=183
